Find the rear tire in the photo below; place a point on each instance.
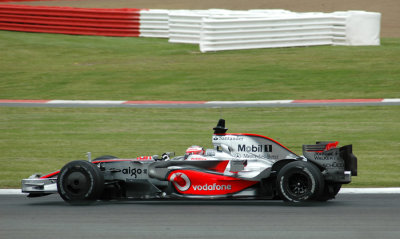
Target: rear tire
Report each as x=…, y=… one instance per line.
x=80, y=182
x=299, y=181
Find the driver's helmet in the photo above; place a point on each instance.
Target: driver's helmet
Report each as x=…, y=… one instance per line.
x=194, y=150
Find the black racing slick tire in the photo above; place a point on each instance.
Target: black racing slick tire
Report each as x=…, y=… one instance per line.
x=299, y=181
x=80, y=182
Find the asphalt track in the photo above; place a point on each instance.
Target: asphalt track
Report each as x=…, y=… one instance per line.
x=350, y=216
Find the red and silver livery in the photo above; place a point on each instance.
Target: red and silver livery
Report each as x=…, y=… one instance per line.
x=238, y=166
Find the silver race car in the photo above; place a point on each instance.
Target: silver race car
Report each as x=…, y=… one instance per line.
x=239, y=165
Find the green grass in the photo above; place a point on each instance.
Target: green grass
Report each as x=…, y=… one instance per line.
x=44, y=139
x=51, y=66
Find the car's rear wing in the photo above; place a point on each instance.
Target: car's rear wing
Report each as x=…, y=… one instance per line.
x=339, y=163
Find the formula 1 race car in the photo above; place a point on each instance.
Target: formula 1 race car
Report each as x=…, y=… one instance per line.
x=239, y=166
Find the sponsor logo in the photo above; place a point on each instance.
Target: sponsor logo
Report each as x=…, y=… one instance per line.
x=197, y=158
x=262, y=156
x=325, y=156
x=134, y=171
x=212, y=187
x=181, y=181
x=232, y=138
x=144, y=158
x=333, y=165
x=255, y=148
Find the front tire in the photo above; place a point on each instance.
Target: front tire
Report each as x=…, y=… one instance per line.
x=299, y=181
x=80, y=182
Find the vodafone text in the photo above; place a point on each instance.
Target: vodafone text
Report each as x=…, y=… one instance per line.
x=212, y=187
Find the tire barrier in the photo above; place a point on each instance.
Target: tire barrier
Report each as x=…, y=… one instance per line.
x=212, y=30
x=68, y=20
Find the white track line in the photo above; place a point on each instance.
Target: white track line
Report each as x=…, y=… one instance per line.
x=252, y=102
x=390, y=100
x=247, y=102
x=90, y=102
x=10, y=191
x=342, y=191
x=370, y=191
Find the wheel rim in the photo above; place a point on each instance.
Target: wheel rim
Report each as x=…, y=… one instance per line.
x=298, y=185
x=76, y=183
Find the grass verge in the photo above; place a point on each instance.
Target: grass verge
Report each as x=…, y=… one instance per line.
x=52, y=66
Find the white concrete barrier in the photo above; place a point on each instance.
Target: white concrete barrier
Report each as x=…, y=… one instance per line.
x=363, y=28
x=287, y=31
x=220, y=29
x=154, y=23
